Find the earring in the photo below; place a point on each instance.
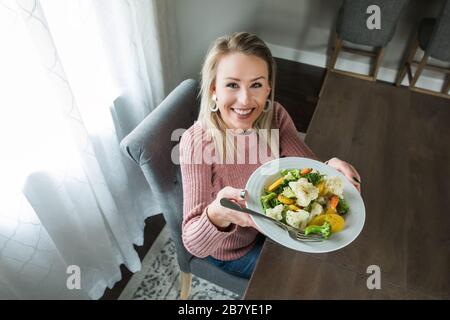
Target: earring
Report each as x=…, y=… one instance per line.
x=216, y=107
x=268, y=105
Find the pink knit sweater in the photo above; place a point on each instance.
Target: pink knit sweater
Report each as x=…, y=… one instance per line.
x=202, y=182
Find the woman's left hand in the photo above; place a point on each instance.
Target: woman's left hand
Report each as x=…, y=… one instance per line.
x=347, y=170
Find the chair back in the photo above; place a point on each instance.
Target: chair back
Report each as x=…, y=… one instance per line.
x=153, y=146
x=439, y=45
x=352, y=21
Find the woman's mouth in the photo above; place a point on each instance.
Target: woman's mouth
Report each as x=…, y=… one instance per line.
x=243, y=113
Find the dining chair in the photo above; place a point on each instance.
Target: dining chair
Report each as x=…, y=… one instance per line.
x=433, y=38
x=352, y=27
x=152, y=144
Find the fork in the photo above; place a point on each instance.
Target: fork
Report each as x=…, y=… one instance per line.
x=293, y=232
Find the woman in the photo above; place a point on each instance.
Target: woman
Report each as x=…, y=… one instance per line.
x=237, y=92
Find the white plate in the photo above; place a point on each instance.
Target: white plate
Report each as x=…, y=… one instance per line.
x=270, y=171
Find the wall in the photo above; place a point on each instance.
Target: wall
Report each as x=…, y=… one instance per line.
x=199, y=22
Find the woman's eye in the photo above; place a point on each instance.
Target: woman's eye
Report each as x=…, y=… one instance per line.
x=232, y=85
x=256, y=85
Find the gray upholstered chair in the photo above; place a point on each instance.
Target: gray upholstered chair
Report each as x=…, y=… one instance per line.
x=352, y=27
x=433, y=38
x=151, y=145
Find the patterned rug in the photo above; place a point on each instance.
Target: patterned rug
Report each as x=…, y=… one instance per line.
x=159, y=278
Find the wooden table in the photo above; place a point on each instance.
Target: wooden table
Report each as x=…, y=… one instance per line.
x=400, y=143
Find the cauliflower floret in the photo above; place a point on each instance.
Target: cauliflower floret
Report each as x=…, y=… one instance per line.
x=288, y=193
x=316, y=209
x=334, y=185
x=304, y=191
x=275, y=213
x=289, y=176
x=297, y=219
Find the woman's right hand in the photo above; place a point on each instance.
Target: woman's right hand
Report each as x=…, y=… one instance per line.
x=223, y=217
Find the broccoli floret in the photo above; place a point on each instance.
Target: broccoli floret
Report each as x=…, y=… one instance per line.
x=274, y=202
x=314, y=177
x=280, y=188
x=290, y=175
x=285, y=183
x=324, y=230
x=342, y=207
x=295, y=173
x=265, y=200
x=288, y=193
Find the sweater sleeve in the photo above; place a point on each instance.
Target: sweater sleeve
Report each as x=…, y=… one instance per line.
x=200, y=236
x=290, y=143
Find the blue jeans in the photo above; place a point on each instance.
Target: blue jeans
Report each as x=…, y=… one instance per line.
x=242, y=267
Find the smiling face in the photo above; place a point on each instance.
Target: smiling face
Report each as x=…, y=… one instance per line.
x=241, y=89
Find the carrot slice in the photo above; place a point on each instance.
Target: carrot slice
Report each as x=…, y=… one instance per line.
x=317, y=221
x=334, y=201
x=276, y=184
x=336, y=221
x=321, y=187
x=305, y=171
x=285, y=200
x=293, y=207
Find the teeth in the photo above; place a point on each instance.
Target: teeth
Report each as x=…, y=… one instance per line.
x=243, y=111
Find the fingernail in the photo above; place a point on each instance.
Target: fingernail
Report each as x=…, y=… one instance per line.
x=354, y=178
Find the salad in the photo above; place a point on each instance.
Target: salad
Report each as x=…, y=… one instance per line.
x=307, y=200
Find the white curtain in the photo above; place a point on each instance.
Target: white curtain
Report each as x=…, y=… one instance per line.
x=75, y=77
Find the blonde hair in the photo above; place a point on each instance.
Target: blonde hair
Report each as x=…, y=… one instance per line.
x=248, y=44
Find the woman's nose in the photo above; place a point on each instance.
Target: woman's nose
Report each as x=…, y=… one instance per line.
x=244, y=97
